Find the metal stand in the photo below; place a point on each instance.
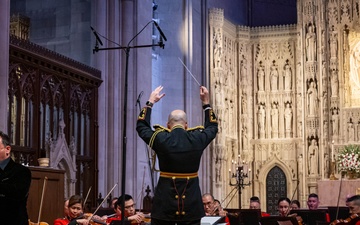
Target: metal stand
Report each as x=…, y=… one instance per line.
x=127, y=52
x=240, y=175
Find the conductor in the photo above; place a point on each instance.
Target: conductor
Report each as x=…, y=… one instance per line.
x=179, y=149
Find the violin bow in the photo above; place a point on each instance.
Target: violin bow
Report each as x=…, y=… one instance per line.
x=42, y=199
x=105, y=198
x=297, y=186
x=87, y=196
x=337, y=210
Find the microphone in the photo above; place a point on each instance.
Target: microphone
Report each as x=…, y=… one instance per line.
x=160, y=31
x=96, y=36
x=139, y=97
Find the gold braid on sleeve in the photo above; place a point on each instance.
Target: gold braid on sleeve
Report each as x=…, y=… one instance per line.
x=158, y=129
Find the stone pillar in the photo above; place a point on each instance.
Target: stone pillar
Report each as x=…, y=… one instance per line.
x=4, y=61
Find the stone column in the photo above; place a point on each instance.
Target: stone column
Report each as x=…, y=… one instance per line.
x=4, y=61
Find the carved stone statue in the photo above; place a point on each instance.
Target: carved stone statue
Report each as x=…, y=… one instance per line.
x=288, y=117
x=261, y=78
x=218, y=50
x=335, y=121
x=275, y=119
x=311, y=44
x=274, y=76
x=327, y=165
x=313, y=157
x=261, y=119
x=333, y=45
x=351, y=132
x=287, y=76
x=334, y=83
x=312, y=99
x=300, y=163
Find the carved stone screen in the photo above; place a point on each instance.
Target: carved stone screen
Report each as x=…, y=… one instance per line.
x=275, y=189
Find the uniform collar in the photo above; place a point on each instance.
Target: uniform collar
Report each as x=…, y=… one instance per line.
x=177, y=126
x=4, y=163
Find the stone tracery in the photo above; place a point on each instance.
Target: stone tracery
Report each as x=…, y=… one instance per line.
x=295, y=85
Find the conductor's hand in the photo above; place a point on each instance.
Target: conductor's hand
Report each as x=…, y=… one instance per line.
x=204, y=95
x=155, y=95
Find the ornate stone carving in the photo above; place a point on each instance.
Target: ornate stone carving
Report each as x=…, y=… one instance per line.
x=312, y=96
x=274, y=77
x=313, y=157
x=287, y=76
x=311, y=46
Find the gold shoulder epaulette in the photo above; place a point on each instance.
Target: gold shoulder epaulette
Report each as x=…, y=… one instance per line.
x=195, y=128
x=159, y=127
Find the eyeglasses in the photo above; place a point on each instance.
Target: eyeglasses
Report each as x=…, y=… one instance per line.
x=130, y=206
x=208, y=203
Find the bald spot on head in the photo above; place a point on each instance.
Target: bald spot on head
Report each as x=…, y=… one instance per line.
x=177, y=117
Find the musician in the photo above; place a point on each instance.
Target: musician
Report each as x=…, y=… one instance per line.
x=313, y=201
x=75, y=214
x=284, y=206
x=212, y=208
x=255, y=204
x=313, y=204
x=295, y=204
x=15, y=182
x=113, y=201
x=129, y=210
x=179, y=149
x=354, y=206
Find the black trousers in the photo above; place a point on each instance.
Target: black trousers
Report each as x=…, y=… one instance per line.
x=165, y=222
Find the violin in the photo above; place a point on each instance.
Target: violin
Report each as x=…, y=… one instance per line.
x=298, y=218
x=92, y=221
x=40, y=223
x=350, y=220
x=145, y=220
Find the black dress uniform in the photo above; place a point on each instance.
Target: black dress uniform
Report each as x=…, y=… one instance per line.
x=179, y=151
x=15, y=182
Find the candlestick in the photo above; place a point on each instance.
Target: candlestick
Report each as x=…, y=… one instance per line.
x=230, y=174
x=332, y=151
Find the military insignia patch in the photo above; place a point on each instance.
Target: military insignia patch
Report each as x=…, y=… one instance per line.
x=212, y=116
x=142, y=114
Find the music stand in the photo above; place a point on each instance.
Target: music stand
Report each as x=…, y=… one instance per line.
x=212, y=220
x=310, y=217
x=278, y=220
x=244, y=216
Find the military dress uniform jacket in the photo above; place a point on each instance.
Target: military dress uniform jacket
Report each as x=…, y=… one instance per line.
x=15, y=182
x=179, y=151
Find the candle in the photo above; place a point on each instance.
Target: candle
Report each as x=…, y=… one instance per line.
x=229, y=173
x=239, y=159
x=249, y=174
x=332, y=152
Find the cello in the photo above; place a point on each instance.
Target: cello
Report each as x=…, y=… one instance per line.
x=40, y=208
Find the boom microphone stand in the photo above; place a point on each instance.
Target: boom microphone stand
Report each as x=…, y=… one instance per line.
x=127, y=52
